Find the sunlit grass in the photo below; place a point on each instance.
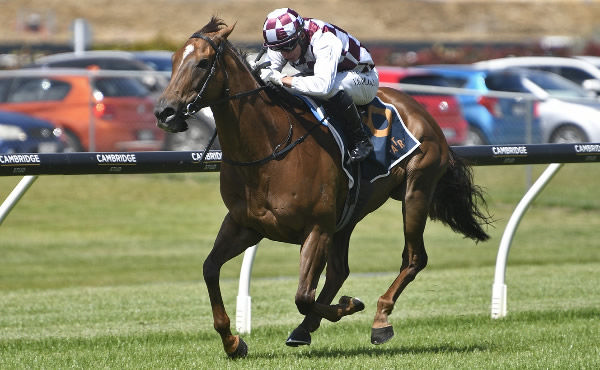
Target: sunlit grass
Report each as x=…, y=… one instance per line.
x=106, y=271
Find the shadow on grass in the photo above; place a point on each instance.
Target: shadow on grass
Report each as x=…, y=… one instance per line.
x=374, y=351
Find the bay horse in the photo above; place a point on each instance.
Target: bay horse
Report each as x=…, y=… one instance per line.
x=282, y=179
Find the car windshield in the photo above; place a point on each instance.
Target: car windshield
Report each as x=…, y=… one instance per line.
x=428, y=80
x=424, y=80
x=118, y=64
x=31, y=89
x=120, y=86
x=557, y=87
x=453, y=81
x=159, y=64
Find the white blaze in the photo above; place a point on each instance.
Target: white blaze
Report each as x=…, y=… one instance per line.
x=188, y=50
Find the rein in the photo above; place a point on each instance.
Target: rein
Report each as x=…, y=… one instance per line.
x=194, y=107
x=277, y=154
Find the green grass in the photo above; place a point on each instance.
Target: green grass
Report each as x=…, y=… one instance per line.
x=105, y=272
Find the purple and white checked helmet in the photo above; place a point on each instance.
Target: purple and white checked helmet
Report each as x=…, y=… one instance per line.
x=282, y=26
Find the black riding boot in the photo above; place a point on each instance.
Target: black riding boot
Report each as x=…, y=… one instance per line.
x=361, y=145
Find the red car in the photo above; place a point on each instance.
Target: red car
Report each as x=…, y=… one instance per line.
x=103, y=113
x=445, y=109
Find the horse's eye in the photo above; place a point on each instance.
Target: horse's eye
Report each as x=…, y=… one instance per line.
x=203, y=64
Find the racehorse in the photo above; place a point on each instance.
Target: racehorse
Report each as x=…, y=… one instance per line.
x=282, y=179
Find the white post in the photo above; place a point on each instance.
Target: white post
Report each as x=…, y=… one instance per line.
x=499, y=286
x=15, y=195
x=79, y=36
x=243, y=311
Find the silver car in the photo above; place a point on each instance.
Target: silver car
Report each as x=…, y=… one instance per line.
x=580, y=71
x=567, y=112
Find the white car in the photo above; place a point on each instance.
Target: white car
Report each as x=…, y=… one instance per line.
x=580, y=71
x=567, y=112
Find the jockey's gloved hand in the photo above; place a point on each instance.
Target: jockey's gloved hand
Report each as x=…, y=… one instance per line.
x=271, y=75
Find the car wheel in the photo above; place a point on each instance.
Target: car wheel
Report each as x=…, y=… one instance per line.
x=568, y=134
x=196, y=137
x=475, y=137
x=72, y=143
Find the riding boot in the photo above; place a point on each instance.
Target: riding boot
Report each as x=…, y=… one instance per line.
x=361, y=145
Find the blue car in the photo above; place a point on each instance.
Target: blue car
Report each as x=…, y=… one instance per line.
x=492, y=120
x=20, y=133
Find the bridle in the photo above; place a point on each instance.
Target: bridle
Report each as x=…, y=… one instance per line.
x=194, y=107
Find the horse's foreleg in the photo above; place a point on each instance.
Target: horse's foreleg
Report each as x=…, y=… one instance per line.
x=414, y=258
x=313, y=255
x=336, y=274
x=314, y=252
x=231, y=241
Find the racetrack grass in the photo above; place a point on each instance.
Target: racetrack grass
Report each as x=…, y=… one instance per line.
x=105, y=271
x=169, y=326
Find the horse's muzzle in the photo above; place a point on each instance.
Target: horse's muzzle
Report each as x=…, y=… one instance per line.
x=170, y=120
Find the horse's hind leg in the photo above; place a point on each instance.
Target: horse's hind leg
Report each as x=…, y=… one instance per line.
x=418, y=193
x=231, y=241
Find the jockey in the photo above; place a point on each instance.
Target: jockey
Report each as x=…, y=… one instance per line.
x=334, y=67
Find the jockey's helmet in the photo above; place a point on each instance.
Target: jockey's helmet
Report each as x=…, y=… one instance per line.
x=282, y=29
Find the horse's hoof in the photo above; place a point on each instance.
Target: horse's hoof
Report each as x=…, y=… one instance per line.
x=357, y=304
x=241, y=351
x=299, y=337
x=381, y=335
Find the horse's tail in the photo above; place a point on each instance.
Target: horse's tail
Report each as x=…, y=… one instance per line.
x=459, y=203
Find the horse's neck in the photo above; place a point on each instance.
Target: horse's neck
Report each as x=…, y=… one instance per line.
x=250, y=127
x=248, y=131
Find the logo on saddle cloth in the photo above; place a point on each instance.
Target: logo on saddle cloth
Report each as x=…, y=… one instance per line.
x=392, y=142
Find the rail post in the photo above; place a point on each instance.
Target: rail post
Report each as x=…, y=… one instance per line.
x=499, y=285
x=243, y=309
x=15, y=195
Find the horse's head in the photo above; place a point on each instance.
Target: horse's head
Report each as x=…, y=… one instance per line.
x=196, y=79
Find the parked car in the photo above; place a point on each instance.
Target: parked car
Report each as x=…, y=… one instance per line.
x=116, y=112
x=20, y=133
x=444, y=108
x=492, y=120
x=568, y=113
x=579, y=71
x=111, y=60
x=158, y=60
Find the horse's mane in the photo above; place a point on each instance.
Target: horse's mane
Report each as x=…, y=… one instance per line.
x=214, y=25
x=280, y=95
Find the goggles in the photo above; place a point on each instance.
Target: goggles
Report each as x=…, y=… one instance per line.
x=286, y=47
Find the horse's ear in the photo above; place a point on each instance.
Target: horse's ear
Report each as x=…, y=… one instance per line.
x=224, y=33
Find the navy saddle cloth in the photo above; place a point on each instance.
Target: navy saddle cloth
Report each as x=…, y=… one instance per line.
x=391, y=139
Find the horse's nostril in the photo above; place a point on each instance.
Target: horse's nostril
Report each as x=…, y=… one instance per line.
x=164, y=114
